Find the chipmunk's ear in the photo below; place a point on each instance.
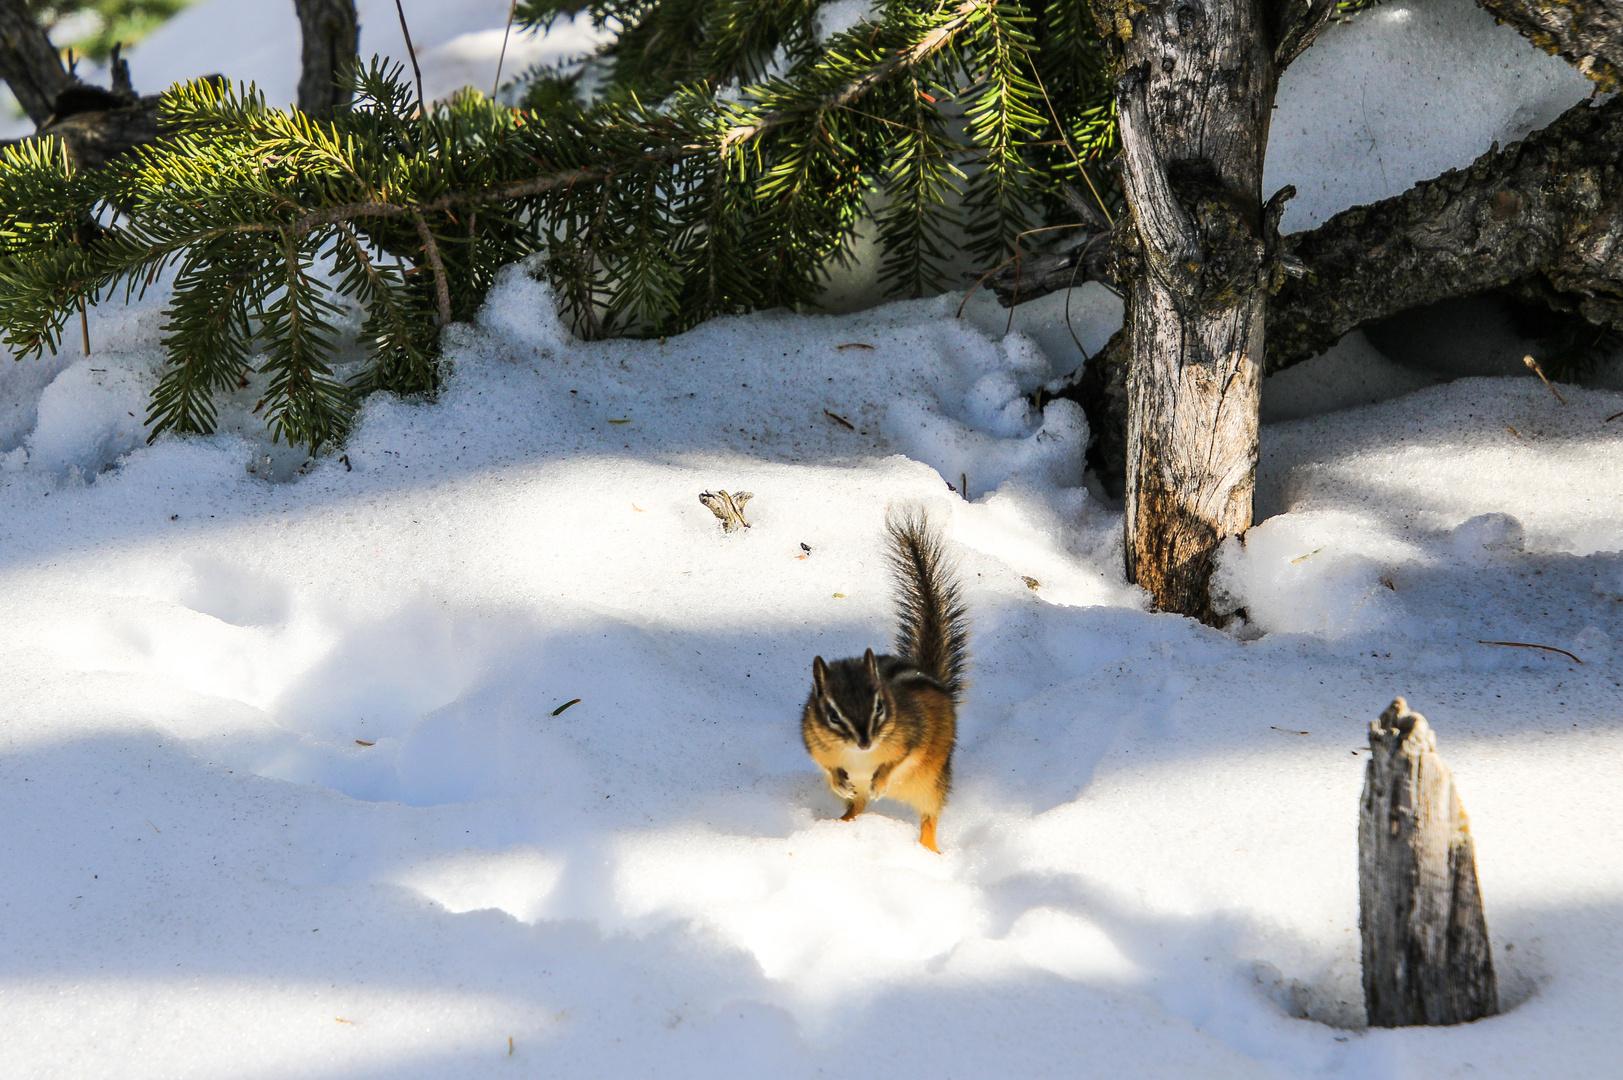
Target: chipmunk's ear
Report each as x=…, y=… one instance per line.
x=819, y=675
x=872, y=664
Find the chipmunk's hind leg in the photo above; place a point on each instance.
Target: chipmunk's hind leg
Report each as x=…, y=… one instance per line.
x=853, y=807
x=927, y=834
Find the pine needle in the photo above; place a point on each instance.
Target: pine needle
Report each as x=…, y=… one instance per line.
x=1528, y=645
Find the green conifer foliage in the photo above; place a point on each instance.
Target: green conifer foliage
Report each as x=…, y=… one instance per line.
x=728, y=153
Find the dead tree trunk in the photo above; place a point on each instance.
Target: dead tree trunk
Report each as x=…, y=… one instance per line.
x=1425, y=944
x=332, y=36
x=29, y=62
x=1194, y=93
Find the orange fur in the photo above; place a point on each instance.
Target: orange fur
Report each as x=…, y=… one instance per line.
x=884, y=726
x=910, y=760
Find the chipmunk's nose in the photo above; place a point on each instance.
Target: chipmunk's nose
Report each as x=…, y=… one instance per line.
x=863, y=744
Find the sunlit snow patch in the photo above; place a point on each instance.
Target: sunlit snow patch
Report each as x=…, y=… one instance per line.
x=517, y=882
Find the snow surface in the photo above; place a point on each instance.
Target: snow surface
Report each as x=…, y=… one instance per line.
x=288, y=793
x=288, y=790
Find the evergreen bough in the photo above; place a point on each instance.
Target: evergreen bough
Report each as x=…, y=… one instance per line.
x=726, y=154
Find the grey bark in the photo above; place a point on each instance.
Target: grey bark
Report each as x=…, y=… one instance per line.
x=1587, y=34
x=1426, y=955
x=29, y=62
x=332, y=37
x=1195, y=82
x=1543, y=217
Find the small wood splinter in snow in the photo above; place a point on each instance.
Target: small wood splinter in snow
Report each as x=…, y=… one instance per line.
x=728, y=507
x=838, y=419
x=1532, y=365
x=1426, y=957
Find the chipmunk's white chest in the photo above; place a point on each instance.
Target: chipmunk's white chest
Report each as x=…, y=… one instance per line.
x=860, y=765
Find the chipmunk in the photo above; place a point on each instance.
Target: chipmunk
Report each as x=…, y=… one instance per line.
x=883, y=726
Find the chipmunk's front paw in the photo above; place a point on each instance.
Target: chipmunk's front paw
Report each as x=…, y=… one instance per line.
x=841, y=783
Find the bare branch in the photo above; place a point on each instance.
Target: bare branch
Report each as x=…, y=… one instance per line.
x=1297, y=25
x=29, y=62
x=431, y=250
x=1588, y=34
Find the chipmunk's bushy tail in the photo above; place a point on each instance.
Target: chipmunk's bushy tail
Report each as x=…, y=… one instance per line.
x=933, y=628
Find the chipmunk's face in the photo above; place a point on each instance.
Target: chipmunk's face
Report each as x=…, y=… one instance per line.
x=851, y=700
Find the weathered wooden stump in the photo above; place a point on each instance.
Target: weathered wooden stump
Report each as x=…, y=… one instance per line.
x=1426, y=955
x=729, y=507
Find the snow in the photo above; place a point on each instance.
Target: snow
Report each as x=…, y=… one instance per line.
x=296, y=780
x=289, y=792
x=1401, y=92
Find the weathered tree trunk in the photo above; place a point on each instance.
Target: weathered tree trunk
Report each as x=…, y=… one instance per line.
x=29, y=62
x=1543, y=216
x=1194, y=94
x=1425, y=944
x=332, y=36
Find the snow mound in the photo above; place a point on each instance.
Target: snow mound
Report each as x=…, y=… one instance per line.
x=485, y=730
x=1489, y=489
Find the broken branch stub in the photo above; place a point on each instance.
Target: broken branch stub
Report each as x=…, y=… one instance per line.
x=1425, y=944
x=728, y=507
